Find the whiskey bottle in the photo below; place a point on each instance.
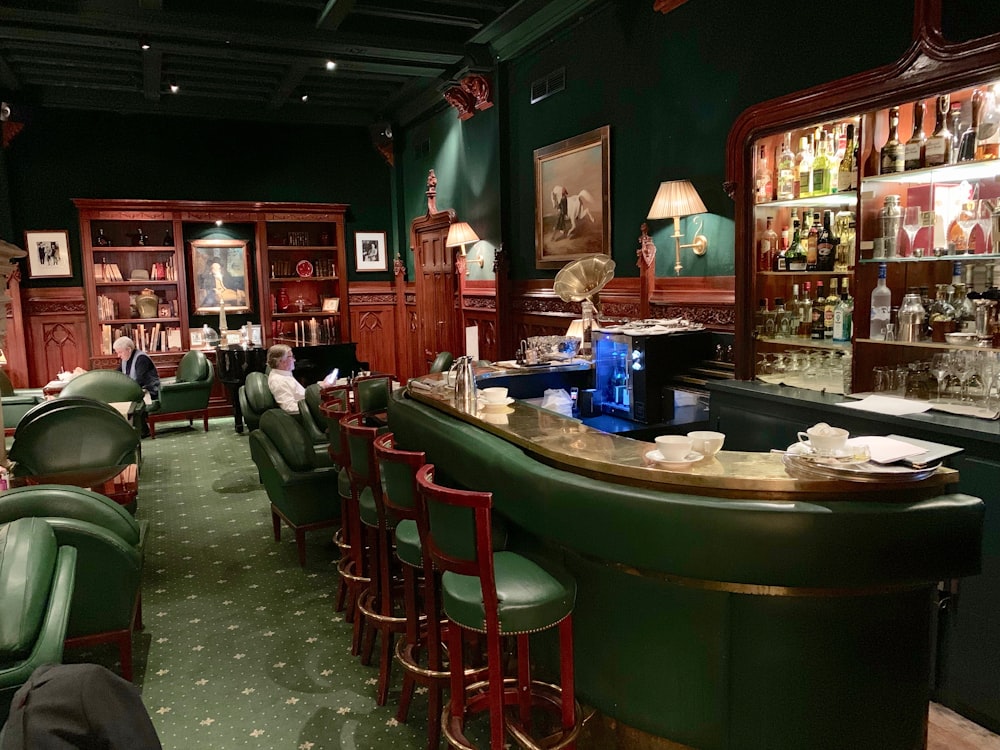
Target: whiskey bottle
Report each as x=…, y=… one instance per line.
x=767, y=245
x=812, y=242
x=818, y=327
x=847, y=174
x=826, y=245
x=938, y=150
x=893, y=151
x=762, y=178
x=786, y=170
x=913, y=153
x=805, y=311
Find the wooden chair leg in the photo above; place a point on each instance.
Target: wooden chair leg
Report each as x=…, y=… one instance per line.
x=137, y=623
x=566, y=676
x=125, y=654
x=204, y=418
x=276, y=523
x=495, y=689
x=151, y=423
x=524, y=680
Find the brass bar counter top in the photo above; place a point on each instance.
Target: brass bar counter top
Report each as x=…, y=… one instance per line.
x=567, y=443
x=727, y=606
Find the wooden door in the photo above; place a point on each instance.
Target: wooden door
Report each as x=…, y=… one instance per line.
x=436, y=288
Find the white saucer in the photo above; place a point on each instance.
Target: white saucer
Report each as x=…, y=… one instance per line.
x=690, y=458
x=486, y=406
x=841, y=458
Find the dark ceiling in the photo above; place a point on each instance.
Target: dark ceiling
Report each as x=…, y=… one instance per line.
x=261, y=59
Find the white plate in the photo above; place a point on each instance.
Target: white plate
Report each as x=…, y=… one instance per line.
x=840, y=458
x=486, y=406
x=690, y=458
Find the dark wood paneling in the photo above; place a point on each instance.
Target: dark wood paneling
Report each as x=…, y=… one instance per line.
x=56, y=332
x=373, y=325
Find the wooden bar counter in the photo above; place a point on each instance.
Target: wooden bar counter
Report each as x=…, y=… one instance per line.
x=728, y=605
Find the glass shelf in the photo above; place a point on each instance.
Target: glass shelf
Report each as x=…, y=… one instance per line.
x=806, y=273
x=807, y=343
x=933, y=258
x=973, y=170
x=834, y=199
x=924, y=345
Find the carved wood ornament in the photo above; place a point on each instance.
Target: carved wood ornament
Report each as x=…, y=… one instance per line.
x=474, y=92
x=665, y=6
x=462, y=101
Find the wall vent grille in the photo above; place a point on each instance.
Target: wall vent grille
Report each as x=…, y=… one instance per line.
x=548, y=85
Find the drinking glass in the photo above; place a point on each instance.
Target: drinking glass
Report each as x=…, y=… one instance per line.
x=911, y=225
x=967, y=222
x=984, y=220
x=939, y=369
x=961, y=369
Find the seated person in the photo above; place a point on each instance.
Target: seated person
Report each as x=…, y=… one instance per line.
x=138, y=366
x=218, y=286
x=287, y=391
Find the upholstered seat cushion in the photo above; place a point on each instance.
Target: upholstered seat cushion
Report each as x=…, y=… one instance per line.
x=529, y=597
x=408, y=543
x=343, y=483
x=366, y=502
x=28, y=554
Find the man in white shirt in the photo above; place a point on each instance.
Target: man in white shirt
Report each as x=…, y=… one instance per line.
x=287, y=391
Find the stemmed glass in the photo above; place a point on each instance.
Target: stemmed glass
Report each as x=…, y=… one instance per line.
x=940, y=369
x=967, y=221
x=962, y=369
x=911, y=225
x=984, y=220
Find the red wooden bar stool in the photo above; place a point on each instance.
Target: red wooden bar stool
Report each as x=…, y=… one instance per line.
x=381, y=604
x=334, y=406
x=500, y=594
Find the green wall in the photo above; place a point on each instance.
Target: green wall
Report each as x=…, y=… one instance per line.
x=64, y=154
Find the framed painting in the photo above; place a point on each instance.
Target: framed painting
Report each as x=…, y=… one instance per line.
x=48, y=254
x=572, y=199
x=196, y=338
x=220, y=275
x=370, y=251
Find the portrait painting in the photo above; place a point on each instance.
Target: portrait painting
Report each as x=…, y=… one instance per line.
x=220, y=276
x=48, y=254
x=370, y=251
x=572, y=200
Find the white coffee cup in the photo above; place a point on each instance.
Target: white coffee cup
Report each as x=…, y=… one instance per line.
x=706, y=442
x=494, y=395
x=825, y=439
x=674, y=447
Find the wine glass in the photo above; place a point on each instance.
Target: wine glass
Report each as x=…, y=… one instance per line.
x=940, y=369
x=984, y=220
x=966, y=220
x=961, y=369
x=911, y=225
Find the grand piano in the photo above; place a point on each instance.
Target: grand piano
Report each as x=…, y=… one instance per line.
x=312, y=363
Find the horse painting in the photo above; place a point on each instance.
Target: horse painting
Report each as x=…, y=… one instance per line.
x=576, y=209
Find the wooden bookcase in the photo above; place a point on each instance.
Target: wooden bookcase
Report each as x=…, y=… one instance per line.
x=297, y=263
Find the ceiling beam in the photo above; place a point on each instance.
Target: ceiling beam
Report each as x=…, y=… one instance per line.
x=152, y=72
x=293, y=77
x=333, y=14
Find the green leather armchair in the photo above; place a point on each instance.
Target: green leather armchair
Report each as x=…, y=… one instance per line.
x=54, y=441
x=442, y=362
x=36, y=587
x=302, y=494
x=109, y=386
x=315, y=424
x=109, y=544
x=255, y=399
x=185, y=395
x=16, y=404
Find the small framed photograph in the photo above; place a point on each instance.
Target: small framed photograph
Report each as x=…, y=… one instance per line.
x=255, y=336
x=232, y=338
x=163, y=310
x=370, y=251
x=197, y=340
x=331, y=304
x=48, y=254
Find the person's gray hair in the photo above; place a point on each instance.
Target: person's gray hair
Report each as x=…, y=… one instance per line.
x=122, y=343
x=277, y=353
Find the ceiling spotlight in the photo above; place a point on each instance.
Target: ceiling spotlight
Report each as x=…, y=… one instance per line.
x=305, y=97
x=331, y=65
x=144, y=43
x=174, y=88
x=218, y=222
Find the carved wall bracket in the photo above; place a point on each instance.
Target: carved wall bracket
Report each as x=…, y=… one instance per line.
x=479, y=88
x=462, y=101
x=647, y=250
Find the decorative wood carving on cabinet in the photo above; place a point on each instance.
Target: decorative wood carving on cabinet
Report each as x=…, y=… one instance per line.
x=479, y=88
x=463, y=102
x=56, y=332
x=374, y=329
x=15, y=349
x=436, y=287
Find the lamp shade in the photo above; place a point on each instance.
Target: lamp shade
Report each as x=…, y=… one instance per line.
x=676, y=198
x=460, y=234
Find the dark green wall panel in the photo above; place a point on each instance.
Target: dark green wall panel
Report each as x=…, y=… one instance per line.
x=62, y=154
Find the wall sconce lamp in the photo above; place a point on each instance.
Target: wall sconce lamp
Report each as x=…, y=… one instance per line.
x=478, y=259
x=460, y=234
x=673, y=200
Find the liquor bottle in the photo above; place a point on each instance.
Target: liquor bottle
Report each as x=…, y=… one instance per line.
x=938, y=150
x=781, y=321
x=957, y=236
x=988, y=131
x=844, y=229
x=803, y=166
x=956, y=117
x=168, y=238
x=762, y=178
x=842, y=316
x=101, y=240
x=830, y=306
x=826, y=245
x=141, y=238
x=767, y=246
x=892, y=151
x=967, y=141
x=812, y=241
x=794, y=312
x=771, y=319
x=834, y=156
x=821, y=167
x=760, y=317
x=965, y=310
x=847, y=174
x=786, y=170
x=817, y=328
x=881, y=304
x=795, y=256
x=913, y=153
x=805, y=311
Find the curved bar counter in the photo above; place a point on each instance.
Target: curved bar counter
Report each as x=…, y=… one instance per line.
x=729, y=605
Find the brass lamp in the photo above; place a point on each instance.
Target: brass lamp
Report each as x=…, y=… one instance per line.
x=673, y=200
x=460, y=234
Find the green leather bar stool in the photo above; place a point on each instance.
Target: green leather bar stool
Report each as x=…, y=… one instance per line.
x=371, y=393
x=382, y=609
x=497, y=593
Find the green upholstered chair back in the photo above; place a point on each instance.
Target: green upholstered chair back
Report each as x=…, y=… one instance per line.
x=398, y=471
x=66, y=501
x=442, y=362
x=258, y=394
x=361, y=450
x=455, y=524
x=28, y=553
x=289, y=438
x=312, y=418
x=103, y=385
x=194, y=367
x=6, y=387
x=75, y=437
x=334, y=430
x=57, y=404
x=371, y=394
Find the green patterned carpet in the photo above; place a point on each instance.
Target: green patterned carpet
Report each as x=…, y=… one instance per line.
x=242, y=648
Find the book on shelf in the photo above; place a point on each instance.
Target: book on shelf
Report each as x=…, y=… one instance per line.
x=107, y=272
